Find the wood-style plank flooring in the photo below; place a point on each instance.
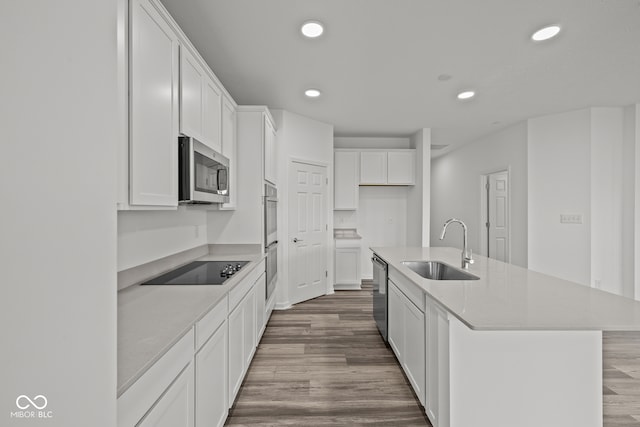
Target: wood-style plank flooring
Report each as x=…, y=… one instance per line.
x=323, y=363
x=621, y=378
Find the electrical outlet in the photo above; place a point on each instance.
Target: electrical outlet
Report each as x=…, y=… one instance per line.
x=570, y=218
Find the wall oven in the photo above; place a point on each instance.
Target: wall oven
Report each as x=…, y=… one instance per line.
x=203, y=173
x=271, y=236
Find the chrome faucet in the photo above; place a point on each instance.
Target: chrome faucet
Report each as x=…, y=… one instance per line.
x=466, y=256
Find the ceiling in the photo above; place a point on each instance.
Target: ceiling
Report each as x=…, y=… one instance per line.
x=378, y=62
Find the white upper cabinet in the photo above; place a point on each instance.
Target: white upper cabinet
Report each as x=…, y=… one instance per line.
x=153, y=79
x=229, y=149
x=212, y=115
x=191, y=76
x=346, y=179
x=401, y=167
x=373, y=168
x=270, y=152
x=389, y=167
x=200, y=102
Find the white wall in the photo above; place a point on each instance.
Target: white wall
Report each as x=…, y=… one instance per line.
x=629, y=140
x=419, y=195
x=456, y=189
x=559, y=183
x=58, y=217
x=382, y=221
x=145, y=236
x=606, y=199
x=371, y=142
x=304, y=139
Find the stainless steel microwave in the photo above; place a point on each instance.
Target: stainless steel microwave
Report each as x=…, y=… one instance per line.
x=203, y=173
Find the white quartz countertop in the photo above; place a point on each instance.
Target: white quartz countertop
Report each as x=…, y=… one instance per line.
x=152, y=318
x=508, y=297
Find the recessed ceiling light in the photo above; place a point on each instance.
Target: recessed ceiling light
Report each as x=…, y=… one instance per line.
x=444, y=77
x=466, y=94
x=312, y=93
x=312, y=29
x=545, y=33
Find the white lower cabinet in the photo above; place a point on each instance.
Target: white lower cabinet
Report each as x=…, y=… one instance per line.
x=407, y=337
x=261, y=315
x=196, y=381
x=211, y=380
x=175, y=407
x=347, y=262
x=437, y=364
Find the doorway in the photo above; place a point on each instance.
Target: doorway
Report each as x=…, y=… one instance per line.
x=307, y=230
x=495, y=216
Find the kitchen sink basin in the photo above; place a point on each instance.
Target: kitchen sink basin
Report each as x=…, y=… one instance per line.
x=436, y=270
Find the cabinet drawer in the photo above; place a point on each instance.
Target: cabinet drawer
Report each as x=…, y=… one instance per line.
x=136, y=401
x=210, y=322
x=237, y=293
x=408, y=288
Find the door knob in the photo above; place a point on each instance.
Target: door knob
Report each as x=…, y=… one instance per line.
x=296, y=240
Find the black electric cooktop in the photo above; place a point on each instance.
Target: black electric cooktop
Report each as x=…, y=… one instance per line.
x=199, y=273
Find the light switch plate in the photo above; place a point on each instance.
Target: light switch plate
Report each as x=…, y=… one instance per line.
x=570, y=218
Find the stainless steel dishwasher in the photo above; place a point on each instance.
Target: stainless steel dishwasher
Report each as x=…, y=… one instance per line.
x=380, y=271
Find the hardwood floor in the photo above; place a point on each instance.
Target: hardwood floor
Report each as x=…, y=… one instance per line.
x=621, y=378
x=323, y=363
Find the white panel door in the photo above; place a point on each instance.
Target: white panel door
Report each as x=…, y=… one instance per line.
x=307, y=231
x=499, y=216
x=154, y=81
x=373, y=167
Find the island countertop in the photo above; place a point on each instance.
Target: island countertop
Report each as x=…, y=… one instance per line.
x=508, y=297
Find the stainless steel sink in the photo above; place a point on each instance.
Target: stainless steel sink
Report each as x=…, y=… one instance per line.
x=436, y=270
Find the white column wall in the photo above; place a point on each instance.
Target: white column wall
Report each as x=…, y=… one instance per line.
x=606, y=199
x=418, y=195
x=58, y=218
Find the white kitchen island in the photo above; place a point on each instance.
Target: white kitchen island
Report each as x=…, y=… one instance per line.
x=514, y=348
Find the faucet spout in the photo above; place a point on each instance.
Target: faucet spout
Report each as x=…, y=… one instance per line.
x=467, y=259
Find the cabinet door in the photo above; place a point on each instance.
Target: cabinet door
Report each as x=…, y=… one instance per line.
x=176, y=406
x=431, y=398
x=347, y=266
x=229, y=149
x=261, y=295
x=401, y=166
x=395, y=318
x=270, y=160
x=212, y=115
x=211, y=380
x=191, y=78
x=373, y=167
x=345, y=195
x=414, y=337
x=236, y=352
x=249, y=327
x=154, y=66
